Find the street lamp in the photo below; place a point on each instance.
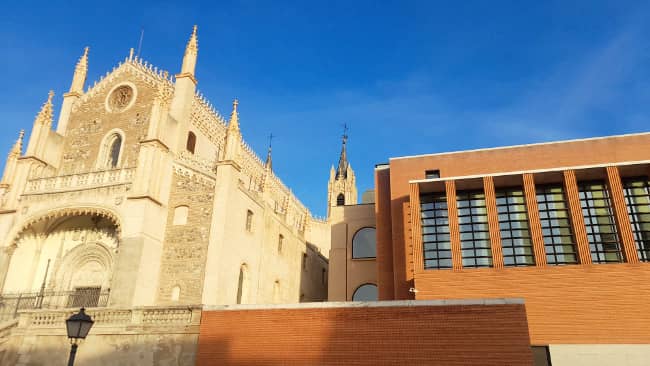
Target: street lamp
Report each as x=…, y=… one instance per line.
x=78, y=326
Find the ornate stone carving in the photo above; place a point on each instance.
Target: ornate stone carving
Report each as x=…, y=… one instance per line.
x=120, y=98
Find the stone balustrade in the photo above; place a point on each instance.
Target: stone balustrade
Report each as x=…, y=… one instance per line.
x=80, y=181
x=110, y=317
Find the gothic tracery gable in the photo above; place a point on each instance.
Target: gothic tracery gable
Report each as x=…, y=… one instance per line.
x=123, y=101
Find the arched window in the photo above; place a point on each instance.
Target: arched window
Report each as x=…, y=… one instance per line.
x=242, y=285
x=176, y=293
x=249, y=221
x=180, y=215
x=364, y=243
x=111, y=150
x=280, y=243
x=340, y=199
x=367, y=292
x=191, y=142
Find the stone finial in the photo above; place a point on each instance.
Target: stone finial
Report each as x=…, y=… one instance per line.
x=191, y=52
x=80, y=72
x=46, y=113
x=131, y=54
x=17, y=149
x=234, y=117
x=268, y=165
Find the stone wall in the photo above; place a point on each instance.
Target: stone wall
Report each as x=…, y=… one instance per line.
x=127, y=337
x=185, y=245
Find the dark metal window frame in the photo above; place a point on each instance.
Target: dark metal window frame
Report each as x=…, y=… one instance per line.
x=511, y=236
x=599, y=248
x=641, y=237
x=480, y=239
x=554, y=242
x=436, y=244
x=354, y=242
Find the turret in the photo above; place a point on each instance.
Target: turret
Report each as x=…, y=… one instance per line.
x=341, y=189
x=76, y=91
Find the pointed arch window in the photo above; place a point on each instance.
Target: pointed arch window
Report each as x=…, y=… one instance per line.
x=242, y=285
x=116, y=146
x=249, y=221
x=110, y=154
x=191, y=142
x=340, y=199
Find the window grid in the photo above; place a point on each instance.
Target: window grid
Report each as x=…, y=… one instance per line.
x=637, y=198
x=513, y=225
x=435, y=231
x=559, y=241
x=474, y=229
x=599, y=222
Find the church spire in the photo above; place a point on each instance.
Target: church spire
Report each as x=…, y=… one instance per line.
x=268, y=165
x=44, y=117
x=191, y=52
x=80, y=71
x=233, y=126
x=342, y=169
x=17, y=150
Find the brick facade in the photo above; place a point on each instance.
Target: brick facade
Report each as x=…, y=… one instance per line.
x=376, y=335
x=575, y=303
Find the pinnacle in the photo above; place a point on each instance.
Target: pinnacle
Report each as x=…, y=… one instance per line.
x=234, y=116
x=45, y=114
x=18, y=146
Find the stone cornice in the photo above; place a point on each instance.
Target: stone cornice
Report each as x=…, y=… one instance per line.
x=187, y=75
x=72, y=94
x=32, y=157
x=147, y=197
x=155, y=142
x=232, y=163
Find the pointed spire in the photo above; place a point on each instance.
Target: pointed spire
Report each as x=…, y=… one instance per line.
x=80, y=72
x=46, y=112
x=17, y=150
x=234, y=117
x=268, y=165
x=342, y=169
x=191, y=52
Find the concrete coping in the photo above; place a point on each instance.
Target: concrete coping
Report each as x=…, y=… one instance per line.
x=533, y=171
x=367, y=304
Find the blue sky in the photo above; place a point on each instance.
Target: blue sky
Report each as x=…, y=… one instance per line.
x=409, y=77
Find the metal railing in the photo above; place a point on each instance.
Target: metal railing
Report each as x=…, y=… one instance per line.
x=10, y=304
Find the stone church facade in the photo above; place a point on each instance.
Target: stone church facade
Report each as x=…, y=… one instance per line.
x=144, y=195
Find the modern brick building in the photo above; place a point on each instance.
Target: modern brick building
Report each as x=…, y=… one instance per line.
x=563, y=225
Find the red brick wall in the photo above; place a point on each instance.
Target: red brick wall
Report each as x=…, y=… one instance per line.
x=576, y=304
x=416, y=335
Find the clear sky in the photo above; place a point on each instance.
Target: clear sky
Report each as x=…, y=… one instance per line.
x=409, y=77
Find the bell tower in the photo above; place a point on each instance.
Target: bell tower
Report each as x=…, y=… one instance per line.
x=342, y=188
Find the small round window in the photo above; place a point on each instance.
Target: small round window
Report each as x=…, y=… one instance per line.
x=120, y=98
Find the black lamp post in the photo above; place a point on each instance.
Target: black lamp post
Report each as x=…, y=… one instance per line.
x=78, y=326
